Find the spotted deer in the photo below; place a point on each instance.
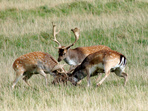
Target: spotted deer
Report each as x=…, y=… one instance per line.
x=104, y=61
x=35, y=63
x=74, y=57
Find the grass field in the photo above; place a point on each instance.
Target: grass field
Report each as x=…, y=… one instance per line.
x=25, y=26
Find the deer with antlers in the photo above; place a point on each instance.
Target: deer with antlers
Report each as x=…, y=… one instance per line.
x=74, y=57
x=35, y=63
x=104, y=61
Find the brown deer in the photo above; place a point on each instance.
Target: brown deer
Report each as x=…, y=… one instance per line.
x=35, y=63
x=104, y=61
x=74, y=57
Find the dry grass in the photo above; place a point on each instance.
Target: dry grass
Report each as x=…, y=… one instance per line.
x=122, y=30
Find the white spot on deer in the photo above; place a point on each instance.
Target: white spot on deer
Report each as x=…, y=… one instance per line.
x=70, y=61
x=111, y=56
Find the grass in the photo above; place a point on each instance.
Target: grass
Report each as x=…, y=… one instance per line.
x=121, y=25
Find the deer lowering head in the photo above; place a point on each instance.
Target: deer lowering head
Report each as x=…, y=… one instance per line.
x=75, y=56
x=103, y=61
x=35, y=63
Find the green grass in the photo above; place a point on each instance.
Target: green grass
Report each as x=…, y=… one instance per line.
x=121, y=25
x=67, y=9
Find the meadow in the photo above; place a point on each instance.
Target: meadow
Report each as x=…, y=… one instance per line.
x=26, y=26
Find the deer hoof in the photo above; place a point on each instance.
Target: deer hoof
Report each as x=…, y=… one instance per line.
x=98, y=85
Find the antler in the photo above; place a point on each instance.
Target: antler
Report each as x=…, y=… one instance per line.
x=76, y=32
x=54, y=35
x=60, y=66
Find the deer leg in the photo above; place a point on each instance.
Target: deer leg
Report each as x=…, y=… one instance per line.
x=88, y=81
x=99, y=75
x=122, y=74
x=26, y=78
x=19, y=75
x=88, y=78
x=107, y=68
x=106, y=75
x=41, y=72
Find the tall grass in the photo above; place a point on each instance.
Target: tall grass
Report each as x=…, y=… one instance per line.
x=25, y=26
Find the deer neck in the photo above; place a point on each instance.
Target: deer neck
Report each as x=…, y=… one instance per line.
x=72, y=57
x=79, y=73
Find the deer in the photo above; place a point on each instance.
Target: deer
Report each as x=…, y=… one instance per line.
x=74, y=57
x=104, y=61
x=35, y=63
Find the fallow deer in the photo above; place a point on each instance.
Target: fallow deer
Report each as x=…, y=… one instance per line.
x=35, y=63
x=104, y=61
x=74, y=57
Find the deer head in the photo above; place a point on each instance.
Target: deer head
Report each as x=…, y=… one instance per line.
x=63, y=50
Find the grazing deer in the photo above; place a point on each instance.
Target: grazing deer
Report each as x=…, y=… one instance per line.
x=102, y=61
x=74, y=57
x=35, y=63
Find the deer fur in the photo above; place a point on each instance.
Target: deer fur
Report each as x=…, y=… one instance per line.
x=104, y=61
x=35, y=63
x=74, y=57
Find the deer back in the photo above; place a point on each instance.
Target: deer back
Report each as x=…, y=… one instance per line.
x=35, y=59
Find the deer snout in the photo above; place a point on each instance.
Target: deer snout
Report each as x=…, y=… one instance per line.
x=72, y=81
x=75, y=84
